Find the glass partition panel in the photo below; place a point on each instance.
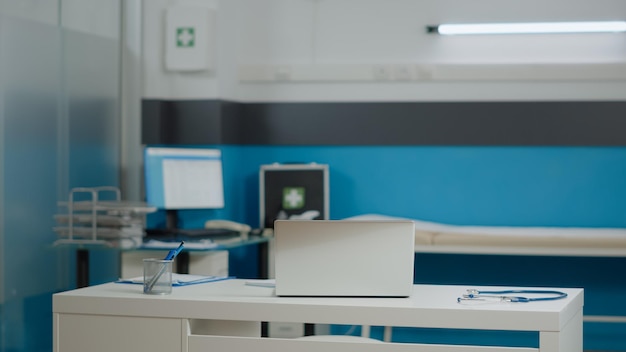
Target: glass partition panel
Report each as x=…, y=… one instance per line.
x=59, y=128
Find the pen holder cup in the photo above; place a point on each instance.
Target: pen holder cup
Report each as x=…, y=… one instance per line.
x=157, y=276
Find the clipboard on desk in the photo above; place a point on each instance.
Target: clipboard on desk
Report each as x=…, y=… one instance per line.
x=180, y=279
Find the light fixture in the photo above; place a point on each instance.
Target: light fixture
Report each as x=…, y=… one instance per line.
x=528, y=28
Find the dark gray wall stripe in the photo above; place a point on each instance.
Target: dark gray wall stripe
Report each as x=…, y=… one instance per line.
x=385, y=123
x=181, y=122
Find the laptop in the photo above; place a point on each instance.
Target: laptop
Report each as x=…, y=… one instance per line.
x=356, y=258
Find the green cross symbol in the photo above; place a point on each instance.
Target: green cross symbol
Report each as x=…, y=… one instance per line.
x=293, y=197
x=185, y=37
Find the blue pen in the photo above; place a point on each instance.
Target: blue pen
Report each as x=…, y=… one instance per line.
x=174, y=252
x=170, y=256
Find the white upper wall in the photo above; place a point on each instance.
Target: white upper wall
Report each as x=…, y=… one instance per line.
x=364, y=50
x=375, y=31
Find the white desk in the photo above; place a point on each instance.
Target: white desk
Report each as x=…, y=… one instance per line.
x=227, y=316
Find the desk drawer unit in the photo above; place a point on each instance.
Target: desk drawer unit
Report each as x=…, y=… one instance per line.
x=97, y=333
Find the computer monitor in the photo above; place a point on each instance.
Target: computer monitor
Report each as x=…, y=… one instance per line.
x=183, y=178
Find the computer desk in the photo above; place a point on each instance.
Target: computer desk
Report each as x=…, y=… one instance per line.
x=182, y=260
x=227, y=316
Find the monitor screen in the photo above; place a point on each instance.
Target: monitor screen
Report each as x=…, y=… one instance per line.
x=183, y=178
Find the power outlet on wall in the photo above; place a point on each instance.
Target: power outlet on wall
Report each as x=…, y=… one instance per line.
x=382, y=72
x=403, y=72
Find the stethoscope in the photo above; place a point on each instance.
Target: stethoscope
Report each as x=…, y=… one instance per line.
x=507, y=295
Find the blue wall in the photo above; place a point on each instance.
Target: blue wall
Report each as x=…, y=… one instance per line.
x=512, y=186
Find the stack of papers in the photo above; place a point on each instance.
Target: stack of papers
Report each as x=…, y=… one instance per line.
x=180, y=279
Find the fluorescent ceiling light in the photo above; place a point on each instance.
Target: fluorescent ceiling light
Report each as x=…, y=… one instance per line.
x=529, y=28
